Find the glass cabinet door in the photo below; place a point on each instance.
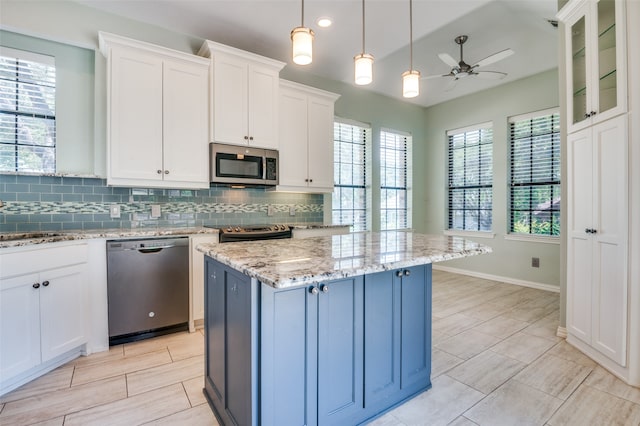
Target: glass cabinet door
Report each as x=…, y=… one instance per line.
x=579, y=70
x=607, y=76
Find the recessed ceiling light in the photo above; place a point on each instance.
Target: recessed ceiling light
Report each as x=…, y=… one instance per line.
x=324, y=22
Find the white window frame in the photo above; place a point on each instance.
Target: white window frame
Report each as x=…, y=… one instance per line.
x=408, y=178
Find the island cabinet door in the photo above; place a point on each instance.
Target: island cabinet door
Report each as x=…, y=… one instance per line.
x=340, y=352
x=381, y=337
x=416, y=328
x=288, y=356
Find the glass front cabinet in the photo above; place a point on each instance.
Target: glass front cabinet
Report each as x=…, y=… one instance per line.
x=596, y=61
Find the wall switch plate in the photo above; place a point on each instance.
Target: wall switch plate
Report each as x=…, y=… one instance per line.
x=114, y=211
x=292, y=211
x=269, y=210
x=155, y=211
x=535, y=262
x=131, y=198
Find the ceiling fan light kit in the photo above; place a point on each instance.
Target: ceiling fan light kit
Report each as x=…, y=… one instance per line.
x=302, y=43
x=363, y=63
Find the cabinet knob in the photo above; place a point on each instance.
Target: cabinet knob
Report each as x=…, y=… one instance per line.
x=306, y=180
x=159, y=171
x=313, y=290
x=407, y=272
x=45, y=283
x=166, y=172
x=250, y=138
x=324, y=288
x=246, y=138
x=36, y=285
x=310, y=180
x=398, y=273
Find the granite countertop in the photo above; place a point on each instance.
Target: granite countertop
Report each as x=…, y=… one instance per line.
x=295, y=262
x=18, y=239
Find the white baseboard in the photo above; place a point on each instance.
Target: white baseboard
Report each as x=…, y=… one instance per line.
x=561, y=332
x=508, y=280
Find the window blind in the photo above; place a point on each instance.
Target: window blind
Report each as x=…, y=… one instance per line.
x=471, y=178
x=27, y=111
x=535, y=174
x=350, y=195
x=394, y=207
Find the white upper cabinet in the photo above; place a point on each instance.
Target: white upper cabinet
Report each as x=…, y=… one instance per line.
x=595, y=61
x=157, y=115
x=244, y=96
x=306, y=138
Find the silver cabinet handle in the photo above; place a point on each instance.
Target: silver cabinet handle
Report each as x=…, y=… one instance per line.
x=407, y=272
x=159, y=172
x=324, y=288
x=166, y=172
x=314, y=290
x=398, y=273
x=36, y=285
x=45, y=283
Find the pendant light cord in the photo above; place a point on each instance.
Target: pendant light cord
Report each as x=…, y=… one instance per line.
x=302, y=25
x=411, y=35
x=363, y=27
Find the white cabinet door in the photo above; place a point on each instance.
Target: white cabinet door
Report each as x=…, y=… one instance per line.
x=293, y=138
x=185, y=124
x=263, y=107
x=19, y=325
x=230, y=100
x=63, y=310
x=595, y=42
x=320, y=122
x=135, y=115
x=597, y=243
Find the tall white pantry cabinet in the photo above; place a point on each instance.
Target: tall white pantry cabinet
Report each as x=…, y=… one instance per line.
x=602, y=127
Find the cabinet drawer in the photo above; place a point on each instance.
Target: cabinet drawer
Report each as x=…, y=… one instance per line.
x=42, y=258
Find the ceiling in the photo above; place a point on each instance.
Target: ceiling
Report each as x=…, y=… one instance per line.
x=263, y=27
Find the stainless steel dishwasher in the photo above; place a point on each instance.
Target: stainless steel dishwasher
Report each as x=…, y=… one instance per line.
x=148, y=287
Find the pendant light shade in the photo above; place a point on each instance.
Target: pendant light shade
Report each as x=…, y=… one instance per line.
x=410, y=83
x=302, y=43
x=363, y=62
x=410, y=78
x=363, y=68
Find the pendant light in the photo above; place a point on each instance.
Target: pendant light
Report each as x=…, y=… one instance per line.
x=363, y=63
x=302, y=43
x=410, y=78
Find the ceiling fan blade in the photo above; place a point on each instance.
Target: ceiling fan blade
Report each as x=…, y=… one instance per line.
x=494, y=58
x=490, y=75
x=429, y=77
x=447, y=59
x=452, y=84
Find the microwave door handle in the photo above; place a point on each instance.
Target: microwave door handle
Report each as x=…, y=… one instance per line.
x=264, y=168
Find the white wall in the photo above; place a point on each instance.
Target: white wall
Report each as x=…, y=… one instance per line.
x=511, y=259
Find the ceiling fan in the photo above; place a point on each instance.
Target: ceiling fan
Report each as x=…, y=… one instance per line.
x=462, y=69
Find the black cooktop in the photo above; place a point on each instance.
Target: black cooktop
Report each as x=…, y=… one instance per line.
x=229, y=233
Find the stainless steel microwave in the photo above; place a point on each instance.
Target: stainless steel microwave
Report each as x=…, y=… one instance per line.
x=241, y=165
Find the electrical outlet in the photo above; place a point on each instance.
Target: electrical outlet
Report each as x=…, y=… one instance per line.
x=535, y=262
x=269, y=210
x=155, y=211
x=114, y=211
x=292, y=211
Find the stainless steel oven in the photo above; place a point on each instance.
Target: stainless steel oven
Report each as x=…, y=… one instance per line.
x=242, y=165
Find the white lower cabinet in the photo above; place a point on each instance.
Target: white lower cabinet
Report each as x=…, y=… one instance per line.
x=43, y=307
x=597, y=193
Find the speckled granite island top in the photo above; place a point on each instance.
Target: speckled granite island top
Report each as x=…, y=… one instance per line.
x=291, y=262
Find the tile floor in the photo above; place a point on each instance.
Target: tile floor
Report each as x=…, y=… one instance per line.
x=496, y=361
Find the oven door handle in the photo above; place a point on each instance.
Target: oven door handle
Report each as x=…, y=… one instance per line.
x=264, y=167
x=154, y=249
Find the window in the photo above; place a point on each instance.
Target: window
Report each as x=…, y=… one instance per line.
x=27, y=112
x=394, y=180
x=471, y=178
x=535, y=173
x=350, y=194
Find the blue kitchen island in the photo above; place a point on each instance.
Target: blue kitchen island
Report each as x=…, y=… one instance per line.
x=328, y=330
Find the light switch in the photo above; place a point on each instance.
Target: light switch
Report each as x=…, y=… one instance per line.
x=270, y=210
x=155, y=211
x=292, y=211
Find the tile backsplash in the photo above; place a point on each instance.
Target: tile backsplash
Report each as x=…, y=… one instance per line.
x=55, y=203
